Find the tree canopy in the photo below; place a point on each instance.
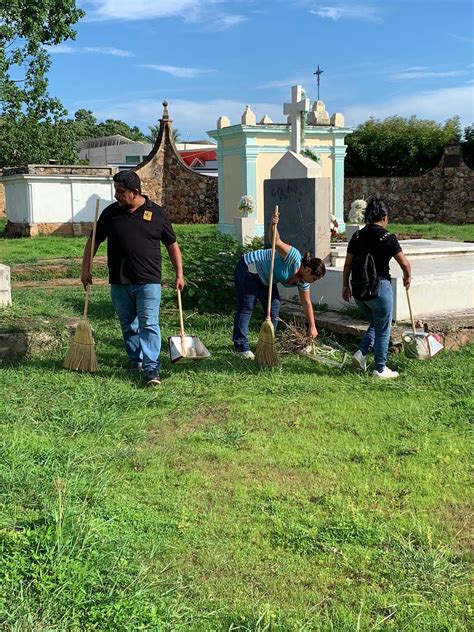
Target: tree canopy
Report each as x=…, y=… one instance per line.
x=468, y=145
x=32, y=123
x=398, y=146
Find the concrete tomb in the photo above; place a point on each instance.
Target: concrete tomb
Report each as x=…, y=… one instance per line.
x=5, y=286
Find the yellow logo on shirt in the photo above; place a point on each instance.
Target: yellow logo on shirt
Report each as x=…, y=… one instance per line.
x=147, y=215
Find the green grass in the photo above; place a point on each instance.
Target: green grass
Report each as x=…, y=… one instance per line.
x=464, y=232
x=18, y=251
x=232, y=498
x=31, y=250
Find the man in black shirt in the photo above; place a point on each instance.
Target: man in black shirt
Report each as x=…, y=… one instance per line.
x=134, y=228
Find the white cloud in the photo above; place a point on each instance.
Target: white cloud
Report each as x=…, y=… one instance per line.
x=422, y=73
x=187, y=10
x=108, y=50
x=61, y=49
x=195, y=117
x=348, y=12
x=141, y=9
x=178, y=71
x=227, y=21
x=431, y=104
x=283, y=83
x=101, y=50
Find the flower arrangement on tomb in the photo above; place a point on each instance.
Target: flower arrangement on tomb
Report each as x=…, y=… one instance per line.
x=357, y=211
x=333, y=225
x=246, y=205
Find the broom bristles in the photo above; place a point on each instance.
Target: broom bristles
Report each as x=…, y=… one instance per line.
x=81, y=355
x=265, y=353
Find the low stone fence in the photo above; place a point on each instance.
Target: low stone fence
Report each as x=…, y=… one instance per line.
x=444, y=194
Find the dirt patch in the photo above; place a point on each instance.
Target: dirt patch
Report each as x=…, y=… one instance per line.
x=52, y=283
x=204, y=417
x=403, y=236
x=458, y=520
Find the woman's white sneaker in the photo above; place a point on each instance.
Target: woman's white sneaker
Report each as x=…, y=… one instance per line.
x=386, y=374
x=359, y=361
x=248, y=355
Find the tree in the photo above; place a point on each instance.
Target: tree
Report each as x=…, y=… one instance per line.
x=154, y=130
x=110, y=127
x=468, y=146
x=85, y=124
x=25, y=105
x=398, y=146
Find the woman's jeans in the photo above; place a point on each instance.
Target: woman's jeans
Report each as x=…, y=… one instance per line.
x=379, y=312
x=249, y=288
x=138, y=309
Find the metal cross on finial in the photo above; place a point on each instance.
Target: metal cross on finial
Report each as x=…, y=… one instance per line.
x=318, y=72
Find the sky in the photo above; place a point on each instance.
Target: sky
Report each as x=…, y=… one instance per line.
x=209, y=58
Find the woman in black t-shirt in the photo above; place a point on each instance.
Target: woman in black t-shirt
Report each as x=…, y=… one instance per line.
x=377, y=241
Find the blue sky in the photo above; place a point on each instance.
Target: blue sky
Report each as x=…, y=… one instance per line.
x=212, y=57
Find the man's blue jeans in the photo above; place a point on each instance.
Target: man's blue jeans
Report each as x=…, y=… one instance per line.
x=249, y=288
x=379, y=312
x=138, y=309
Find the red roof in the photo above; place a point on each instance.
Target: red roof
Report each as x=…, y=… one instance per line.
x=202, y=155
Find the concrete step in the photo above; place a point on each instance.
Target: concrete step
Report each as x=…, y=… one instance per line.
x=455, y=332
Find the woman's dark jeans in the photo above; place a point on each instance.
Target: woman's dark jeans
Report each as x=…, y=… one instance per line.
x=249, y=289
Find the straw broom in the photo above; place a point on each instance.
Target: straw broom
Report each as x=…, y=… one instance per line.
x=265, y=353
x=81, y=355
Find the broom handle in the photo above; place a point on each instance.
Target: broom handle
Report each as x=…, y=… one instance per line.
x=181, y=325
x=272, y=262
x=94, y=229
x=411, y=313
x=181, y=321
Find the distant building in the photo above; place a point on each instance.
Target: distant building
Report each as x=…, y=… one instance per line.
x=119, y=151
x=200, y=156
x=113, y=150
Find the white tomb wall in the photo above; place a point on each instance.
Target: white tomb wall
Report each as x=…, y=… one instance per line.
x=57, y=199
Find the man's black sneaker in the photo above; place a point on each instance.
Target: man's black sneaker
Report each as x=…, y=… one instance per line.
x=153, y=378
x=135, y=367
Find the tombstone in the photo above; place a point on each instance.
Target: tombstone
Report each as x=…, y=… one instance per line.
x=301, y=193
x=5, y=286
x=265, y=120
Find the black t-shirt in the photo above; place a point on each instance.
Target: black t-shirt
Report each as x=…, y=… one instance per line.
x=133, y=242
x=376, y=240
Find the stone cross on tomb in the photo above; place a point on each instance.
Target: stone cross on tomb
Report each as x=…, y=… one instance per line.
x=293, y=110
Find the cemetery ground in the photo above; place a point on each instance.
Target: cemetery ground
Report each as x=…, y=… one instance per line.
x=233, y=497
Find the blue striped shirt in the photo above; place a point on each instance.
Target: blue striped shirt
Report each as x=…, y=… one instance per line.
x=284, y=268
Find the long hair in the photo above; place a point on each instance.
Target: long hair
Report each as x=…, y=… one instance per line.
x=315, y=264
x=376, y=210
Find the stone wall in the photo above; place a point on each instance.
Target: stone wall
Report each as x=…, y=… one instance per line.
x=444, y=194
x=62, y=170
x=189, y=197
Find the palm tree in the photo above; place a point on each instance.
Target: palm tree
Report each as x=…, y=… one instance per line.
x=154, y=130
